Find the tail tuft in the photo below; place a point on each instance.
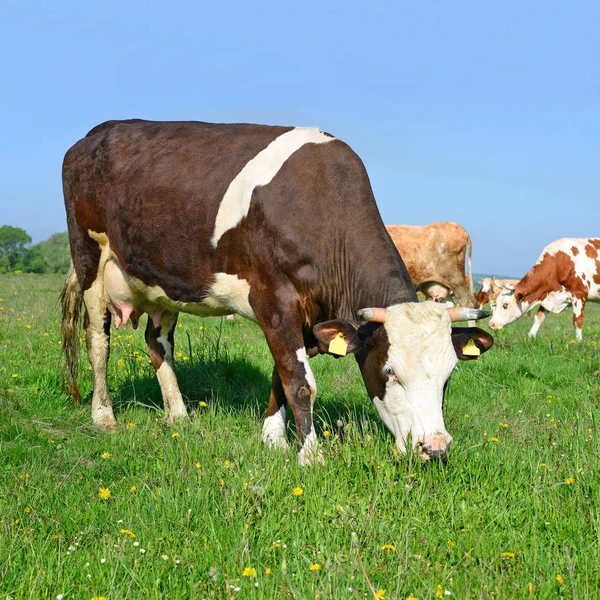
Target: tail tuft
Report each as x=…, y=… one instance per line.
x=71, y=301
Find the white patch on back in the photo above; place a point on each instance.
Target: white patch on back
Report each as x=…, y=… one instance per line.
x=260, y=171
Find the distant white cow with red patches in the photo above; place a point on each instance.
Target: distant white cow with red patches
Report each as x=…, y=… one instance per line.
x=566, y=273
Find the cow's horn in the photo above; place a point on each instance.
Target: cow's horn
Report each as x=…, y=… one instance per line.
x=376, y=315
x=461, y=313
x=510, y=287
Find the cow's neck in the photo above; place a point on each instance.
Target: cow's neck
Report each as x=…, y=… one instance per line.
x=375, y=277
x=535, y=286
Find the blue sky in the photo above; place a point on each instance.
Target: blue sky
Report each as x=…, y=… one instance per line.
x=488, y=115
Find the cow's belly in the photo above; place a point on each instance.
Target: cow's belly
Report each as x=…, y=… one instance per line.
x=128, y=297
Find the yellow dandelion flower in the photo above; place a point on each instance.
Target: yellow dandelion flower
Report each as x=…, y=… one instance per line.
x=267, y=571
x=326, y=433
x=380, y=595
x=439, y=592
x=105, y=455
x=197, y=465
x=15, y=375
x=27, y=326
x=314, y=567
x=174, y=434
x=544, y=465
x=130, y=425
x=493, y=439
x=203, y=404
x=104, y=493
x=298, y=491
x=560, y=580
x=133, y=489
x=186, y=358
x=530, y=587
x=27, y=510
x=411, y=598
x=127, y=532
x=508, y=555
x=388, y=548
x=569, y=480
x=99, y=598
x=121, y=363
x=503, y=424
x=451, y=544
x=249, y=572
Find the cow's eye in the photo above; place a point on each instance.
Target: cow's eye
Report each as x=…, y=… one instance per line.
x=388, y=371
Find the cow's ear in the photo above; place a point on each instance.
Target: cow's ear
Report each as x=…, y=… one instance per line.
x=338, y=337
x=470, y=342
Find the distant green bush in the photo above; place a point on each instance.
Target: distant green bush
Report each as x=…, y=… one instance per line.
x=50, y=256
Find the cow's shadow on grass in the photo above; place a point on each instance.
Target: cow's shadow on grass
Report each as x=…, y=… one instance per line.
x=234, y=385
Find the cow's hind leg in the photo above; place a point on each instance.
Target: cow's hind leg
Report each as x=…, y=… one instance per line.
x=97, y=327
x=161, y=341
x=273, y=432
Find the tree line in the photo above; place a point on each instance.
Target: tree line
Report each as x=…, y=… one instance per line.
x=18, y=255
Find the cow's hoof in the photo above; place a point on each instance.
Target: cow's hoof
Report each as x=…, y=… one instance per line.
x=275, y=441
x=176, y=415
x=106, y=424
x=311, y=456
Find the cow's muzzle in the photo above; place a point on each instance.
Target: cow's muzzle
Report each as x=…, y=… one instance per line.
x=435, y=447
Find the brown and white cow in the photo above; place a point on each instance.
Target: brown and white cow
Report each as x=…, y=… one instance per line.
x=435, y=258
x=277, y=224
x=567, y=272
x=490, y=290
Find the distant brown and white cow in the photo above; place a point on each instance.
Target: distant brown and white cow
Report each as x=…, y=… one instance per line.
x=490, y=290
x=435, y=258
x=567, y=272
x=277, y=224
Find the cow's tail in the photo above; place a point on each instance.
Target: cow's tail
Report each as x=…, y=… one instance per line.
x=71, y=301
x=470, y=251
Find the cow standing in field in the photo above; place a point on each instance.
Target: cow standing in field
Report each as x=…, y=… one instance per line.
x=491, y=289
x=277, y=224
x=567, y=272
x=435, y=258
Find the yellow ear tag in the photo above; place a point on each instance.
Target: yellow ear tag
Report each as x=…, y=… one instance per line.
x=471, y=349
x=338, y=345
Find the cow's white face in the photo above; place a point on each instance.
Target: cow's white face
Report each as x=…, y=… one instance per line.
x=508, y=309
x=420, y=359
x=406, y=363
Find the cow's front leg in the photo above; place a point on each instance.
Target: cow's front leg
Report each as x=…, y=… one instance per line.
x=295, y=382
x=540, y=315
x=161, y=341
x=273, y=431
x=578, y=307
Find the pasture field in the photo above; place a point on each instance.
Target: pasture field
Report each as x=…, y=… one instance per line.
x=203, y=510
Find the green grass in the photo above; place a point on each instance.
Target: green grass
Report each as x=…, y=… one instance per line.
x=515, y=507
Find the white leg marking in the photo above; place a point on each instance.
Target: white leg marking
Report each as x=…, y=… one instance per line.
x=260, y=171
x=172, y=400
x=273, y=431
x=310, y=378
x=310, y=453
x=537, y=321
x=98, y=350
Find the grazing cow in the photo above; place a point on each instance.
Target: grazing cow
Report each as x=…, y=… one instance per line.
x=567, y=272
x=490, y=290
x=435, y=258
x=277, y=224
